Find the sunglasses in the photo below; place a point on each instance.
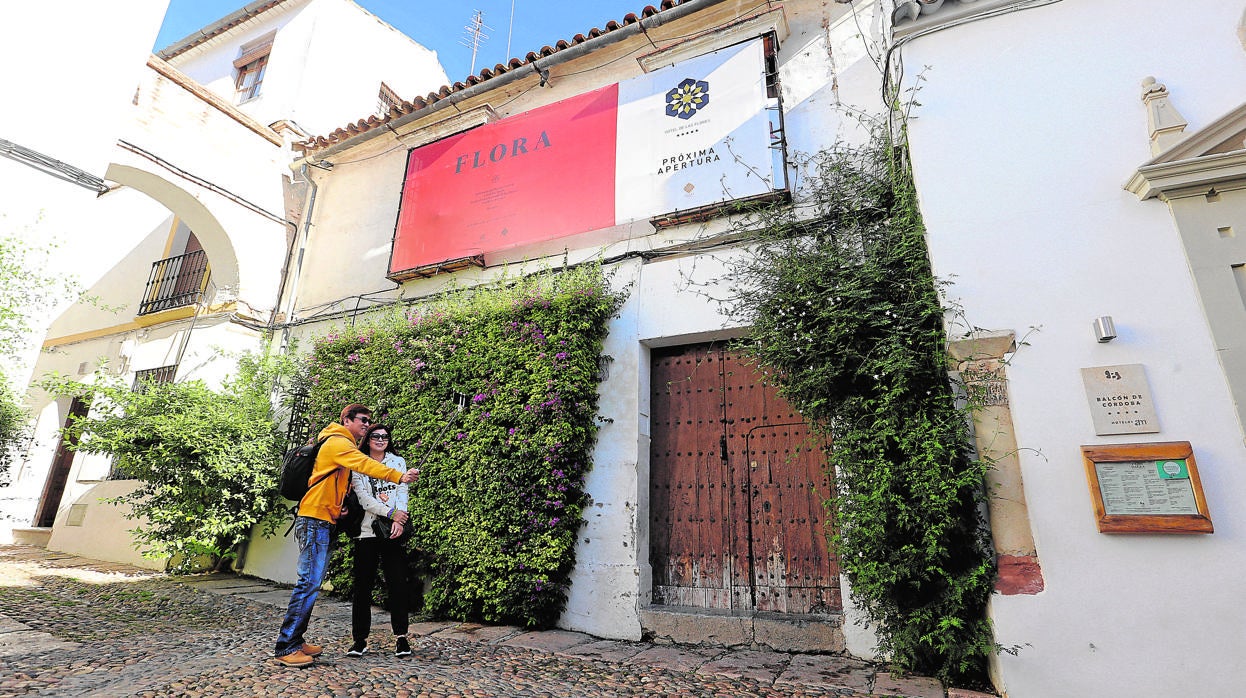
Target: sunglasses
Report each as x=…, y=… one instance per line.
x=379, y=437
x=366, y=420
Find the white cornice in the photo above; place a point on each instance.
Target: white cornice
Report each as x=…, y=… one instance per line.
x=764, y=23
x=1207, y=138
x=1189, y=177
x=1191, y=167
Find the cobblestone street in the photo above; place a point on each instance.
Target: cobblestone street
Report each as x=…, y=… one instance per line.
x=75, y=627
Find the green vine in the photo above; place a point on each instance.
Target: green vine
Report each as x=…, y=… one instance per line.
x=846, y=312
x=500, y=496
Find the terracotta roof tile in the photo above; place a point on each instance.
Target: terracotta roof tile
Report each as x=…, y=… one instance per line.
x=217, y=28
x=486, y=74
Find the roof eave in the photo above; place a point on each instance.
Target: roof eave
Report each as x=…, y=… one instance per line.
x=570, y=53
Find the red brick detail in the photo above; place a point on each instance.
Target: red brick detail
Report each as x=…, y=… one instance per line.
x=1019, y=574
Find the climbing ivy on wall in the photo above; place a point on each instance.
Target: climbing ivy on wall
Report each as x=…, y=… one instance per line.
x=846, y=313
x=500, y=497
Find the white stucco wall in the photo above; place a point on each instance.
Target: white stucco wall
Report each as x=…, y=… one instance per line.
x=1029, y=125
x=45, y=55
x=109, y=538
x=208, y=355
x=96, y=58
x=310, y=78
x=356, y=208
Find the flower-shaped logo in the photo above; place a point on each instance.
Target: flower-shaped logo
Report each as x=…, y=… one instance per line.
x=689, y=97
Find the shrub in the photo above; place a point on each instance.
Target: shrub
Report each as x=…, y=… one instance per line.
x=205, y=458
x=501, y=491
x=845, y=311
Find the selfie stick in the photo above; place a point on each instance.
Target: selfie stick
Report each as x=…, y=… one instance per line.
x=460, y=404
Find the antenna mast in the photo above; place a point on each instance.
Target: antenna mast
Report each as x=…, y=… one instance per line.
x=475, y=36
x=510, y=30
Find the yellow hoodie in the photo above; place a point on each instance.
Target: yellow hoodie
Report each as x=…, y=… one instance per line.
x=338, y=456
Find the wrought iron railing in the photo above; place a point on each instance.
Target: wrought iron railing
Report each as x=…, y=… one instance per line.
x=175, y=282
x=163, y=374
x=299, y=429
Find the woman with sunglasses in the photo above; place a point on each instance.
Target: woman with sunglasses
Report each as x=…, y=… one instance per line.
x=380, y=498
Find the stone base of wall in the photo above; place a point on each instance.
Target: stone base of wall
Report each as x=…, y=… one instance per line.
x=776, y=631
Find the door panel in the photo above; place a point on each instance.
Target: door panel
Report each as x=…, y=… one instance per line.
x=736, y=491
x=58, y=474
x=688, y=507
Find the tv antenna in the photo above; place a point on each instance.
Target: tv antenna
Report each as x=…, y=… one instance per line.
x=475, y=36
x=510, y=30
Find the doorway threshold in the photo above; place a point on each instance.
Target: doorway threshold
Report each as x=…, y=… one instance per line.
x=820, y=633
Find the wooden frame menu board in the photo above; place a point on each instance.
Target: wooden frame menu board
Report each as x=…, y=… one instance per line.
x=1146, y=488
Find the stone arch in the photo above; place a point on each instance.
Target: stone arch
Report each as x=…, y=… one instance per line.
x=192, y=212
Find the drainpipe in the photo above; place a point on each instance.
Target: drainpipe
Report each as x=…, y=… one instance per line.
x=298, y=242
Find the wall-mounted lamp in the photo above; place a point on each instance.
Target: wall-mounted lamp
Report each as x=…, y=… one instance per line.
x=1105, y=329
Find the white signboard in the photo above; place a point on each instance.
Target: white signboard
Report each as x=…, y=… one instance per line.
x=694, y=134
x=1120, y=400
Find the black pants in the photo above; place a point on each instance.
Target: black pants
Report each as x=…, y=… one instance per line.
x=394, y=557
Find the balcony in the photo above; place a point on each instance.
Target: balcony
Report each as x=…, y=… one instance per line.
x=175, y=282
x=163, y=374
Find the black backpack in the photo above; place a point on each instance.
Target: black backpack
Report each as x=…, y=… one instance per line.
x=296, y=470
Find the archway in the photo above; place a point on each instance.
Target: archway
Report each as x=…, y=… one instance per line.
x=192, y=212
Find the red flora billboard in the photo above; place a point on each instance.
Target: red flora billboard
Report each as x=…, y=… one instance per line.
x=682, y=137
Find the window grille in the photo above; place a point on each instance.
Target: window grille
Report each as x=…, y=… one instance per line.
x=162, y=374
x=176, y=282
x=386, y=100
x=299, y=430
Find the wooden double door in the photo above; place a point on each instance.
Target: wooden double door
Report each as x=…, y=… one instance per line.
x=737, y=486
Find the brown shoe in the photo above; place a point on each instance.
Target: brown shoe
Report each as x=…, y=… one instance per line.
x=295, y=659
x=311, y=650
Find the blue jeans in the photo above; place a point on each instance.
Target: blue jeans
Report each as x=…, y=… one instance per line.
x=313, y=536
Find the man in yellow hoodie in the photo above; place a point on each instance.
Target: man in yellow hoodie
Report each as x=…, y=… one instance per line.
x=313, y=526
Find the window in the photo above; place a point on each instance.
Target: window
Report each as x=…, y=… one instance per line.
x=163, y=374
x=387, y=99
x=250, y=64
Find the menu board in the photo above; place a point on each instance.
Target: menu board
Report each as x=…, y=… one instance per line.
x=1146, y=488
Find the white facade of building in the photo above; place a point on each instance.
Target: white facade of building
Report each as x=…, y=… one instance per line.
x=315, y=75
x=1031, y=122
x=187, y=170
x=43, y=209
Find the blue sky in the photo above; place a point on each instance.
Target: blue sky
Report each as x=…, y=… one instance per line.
x=439, y=24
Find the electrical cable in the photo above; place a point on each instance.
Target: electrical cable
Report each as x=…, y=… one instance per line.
x=51, y=166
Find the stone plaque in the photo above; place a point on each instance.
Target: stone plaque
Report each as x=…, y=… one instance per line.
x=1120, y=400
